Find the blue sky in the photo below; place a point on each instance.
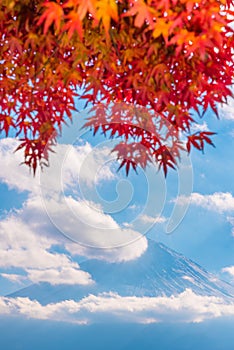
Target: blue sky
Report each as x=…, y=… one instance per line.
x=81, y=208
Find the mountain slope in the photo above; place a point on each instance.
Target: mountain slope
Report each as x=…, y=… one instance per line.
x=159, y=271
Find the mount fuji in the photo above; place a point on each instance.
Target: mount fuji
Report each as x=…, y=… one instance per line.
x=160, y=271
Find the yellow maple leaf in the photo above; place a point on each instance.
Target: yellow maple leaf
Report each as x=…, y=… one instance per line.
x=107, y=10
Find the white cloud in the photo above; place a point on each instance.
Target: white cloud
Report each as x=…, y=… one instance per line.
x=28, y=235
x=153, y=220
x=11, y=172
x=185, y=307
x=230, y=219
x=68, y=164
x=200, y=127
x=189, y=278
x=13, y=277
x=231, y=133
x=218, y=201
x=64, y=275
x=134, y=207
x=229, y=270
x=127, y=224
x=126, y=252
x=25, y=245
x=91, y=165
x=226, y=111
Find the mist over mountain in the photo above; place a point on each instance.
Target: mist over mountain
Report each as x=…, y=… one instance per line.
x=160, y=271
x=38, y=335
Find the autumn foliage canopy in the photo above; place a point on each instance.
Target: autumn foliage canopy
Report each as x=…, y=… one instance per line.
x=148, y=69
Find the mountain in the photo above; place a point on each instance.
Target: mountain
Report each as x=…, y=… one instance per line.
x=159, y=271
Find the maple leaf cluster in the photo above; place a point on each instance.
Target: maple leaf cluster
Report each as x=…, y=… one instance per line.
x=147, y=67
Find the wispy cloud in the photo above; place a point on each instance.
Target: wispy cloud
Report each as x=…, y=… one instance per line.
x=185, y=307
x=14, y=277
x=219, y=201
x=230, y=219
x=200, y=127
x=229, y=270
x=226, y=111
x=64, y=275
x=153, y=220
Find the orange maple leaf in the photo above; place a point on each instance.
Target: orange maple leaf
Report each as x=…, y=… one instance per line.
x=142, y=11
x=82, y=6
x=74, y=24
x=86, y=6
x=53, y=13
